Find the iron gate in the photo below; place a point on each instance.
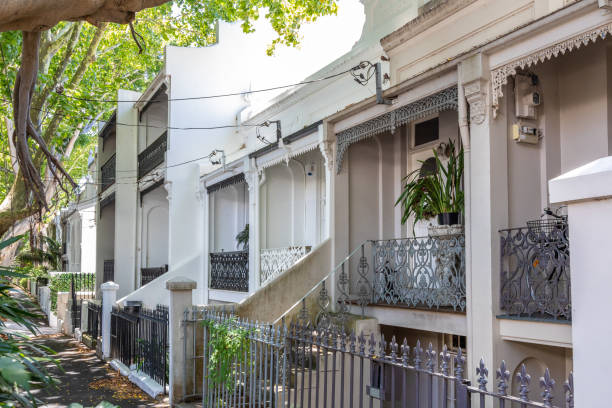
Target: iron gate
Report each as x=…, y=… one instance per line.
x=82, y=286
x=94, y=320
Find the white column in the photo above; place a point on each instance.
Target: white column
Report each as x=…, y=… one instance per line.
x=181, y=299
x=252, y=178
x=486, y=212
x=109, y=297
x=206, y=247
x=587, y=191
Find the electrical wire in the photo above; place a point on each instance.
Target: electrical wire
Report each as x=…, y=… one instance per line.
x=361, y=65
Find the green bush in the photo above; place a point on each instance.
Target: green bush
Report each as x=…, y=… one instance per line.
x=63, y=282
x=23, y=282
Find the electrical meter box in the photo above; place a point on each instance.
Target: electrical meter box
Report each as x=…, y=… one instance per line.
x=527, y=97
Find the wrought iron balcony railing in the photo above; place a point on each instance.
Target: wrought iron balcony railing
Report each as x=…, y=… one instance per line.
x=152, y=156
x=420, y=272
x=229, y=271
x=108, y=173
x=535, y=272
x=275, y=261
x=149, y=274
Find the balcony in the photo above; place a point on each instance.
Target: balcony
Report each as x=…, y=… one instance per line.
x=108, y=173
x=422, y=273
x=109, y=270
x=535, y=272
x=152, y=156
x=229, y=271
x=275, y=261
x=149, y=274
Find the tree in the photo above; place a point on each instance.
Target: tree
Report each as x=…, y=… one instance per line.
x=81, y=48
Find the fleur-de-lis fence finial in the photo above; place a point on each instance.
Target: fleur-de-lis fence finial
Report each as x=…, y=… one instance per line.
x=405, y=352
x=382, y=347
x=503, y=375
x=547, y=383
x=394, y=348
x=524, y=380
x=417, y=355
x=483, y=372
x=431, y=358
x=569, y=389
x=362, y=344
x=445, y=360
x=460, y=365
x=372, y=344
x=352, y=340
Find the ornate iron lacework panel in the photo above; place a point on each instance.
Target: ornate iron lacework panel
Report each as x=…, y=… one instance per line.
x=153, y=155
x=535, y=273
x=230, y=271
x=275, y=261
x=108, y=172
x=441, y=101
x=420, y=272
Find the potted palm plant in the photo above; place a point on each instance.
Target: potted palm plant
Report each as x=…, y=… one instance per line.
x=435, y=193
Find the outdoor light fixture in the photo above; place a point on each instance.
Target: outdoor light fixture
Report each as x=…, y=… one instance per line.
x=220, y=160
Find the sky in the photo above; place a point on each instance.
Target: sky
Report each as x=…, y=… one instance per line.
x=322, y=42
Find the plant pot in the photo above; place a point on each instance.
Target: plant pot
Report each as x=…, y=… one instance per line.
x=448, y=218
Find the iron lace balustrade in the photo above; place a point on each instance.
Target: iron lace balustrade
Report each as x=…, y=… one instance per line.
x=230, y=271
x=109, y=270
x=152, y=156
x=426, y=272
x=149, y=274
x=108, y=172
x=535, y=273
x=275, y=261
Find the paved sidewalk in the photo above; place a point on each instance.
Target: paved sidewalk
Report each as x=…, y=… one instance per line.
x=84, y=378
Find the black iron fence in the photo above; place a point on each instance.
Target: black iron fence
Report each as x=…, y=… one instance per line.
x=109, y=270
x=152, y=156
x=230, y=271
x=108, y=173
x=149, y=274
x=301, y=366
x=535, y=272
x=94, y=320
x=139, y=340
x=82, y=286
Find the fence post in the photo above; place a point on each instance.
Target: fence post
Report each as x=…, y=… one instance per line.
x=181, y=298
x=84, y=315
x=109, y=297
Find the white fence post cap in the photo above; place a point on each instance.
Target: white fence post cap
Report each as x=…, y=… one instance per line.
x=180, y=283
x=108, y=286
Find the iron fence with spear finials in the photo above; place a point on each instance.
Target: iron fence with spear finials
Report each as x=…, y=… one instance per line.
x=300, y=365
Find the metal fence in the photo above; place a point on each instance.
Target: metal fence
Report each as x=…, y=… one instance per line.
x=300, y=366
x=109, y=270
x=275, y=261
x=535, y=273
x=82, y=286
x=230, y=271
x=140, y=340
x=94, y=319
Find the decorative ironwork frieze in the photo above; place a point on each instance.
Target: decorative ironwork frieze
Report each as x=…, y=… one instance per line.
x=500, y=75
x=153, y=155
x=275, y=261
x=420, y=272
x=108, y=172
x=535, y=273
x=149, y=274
x=230, y=181
x=230, y=271
x=441, y=101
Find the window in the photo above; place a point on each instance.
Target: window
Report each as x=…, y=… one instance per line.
x=426, y=132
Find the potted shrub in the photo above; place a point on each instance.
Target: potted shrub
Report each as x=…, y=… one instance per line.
x=435, y=193
x=243, y=238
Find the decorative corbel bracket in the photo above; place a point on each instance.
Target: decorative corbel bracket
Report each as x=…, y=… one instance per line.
x=477, y=96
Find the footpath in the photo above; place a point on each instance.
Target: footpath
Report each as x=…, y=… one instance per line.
x=83, y=378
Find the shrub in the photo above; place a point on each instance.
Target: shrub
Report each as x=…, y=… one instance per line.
x=63, y=282
x=23, y=282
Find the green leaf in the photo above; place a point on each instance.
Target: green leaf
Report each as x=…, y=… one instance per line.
x=10, y=241
x=14, y=372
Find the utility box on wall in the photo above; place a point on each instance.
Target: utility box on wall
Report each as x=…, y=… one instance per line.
x=527, y=97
